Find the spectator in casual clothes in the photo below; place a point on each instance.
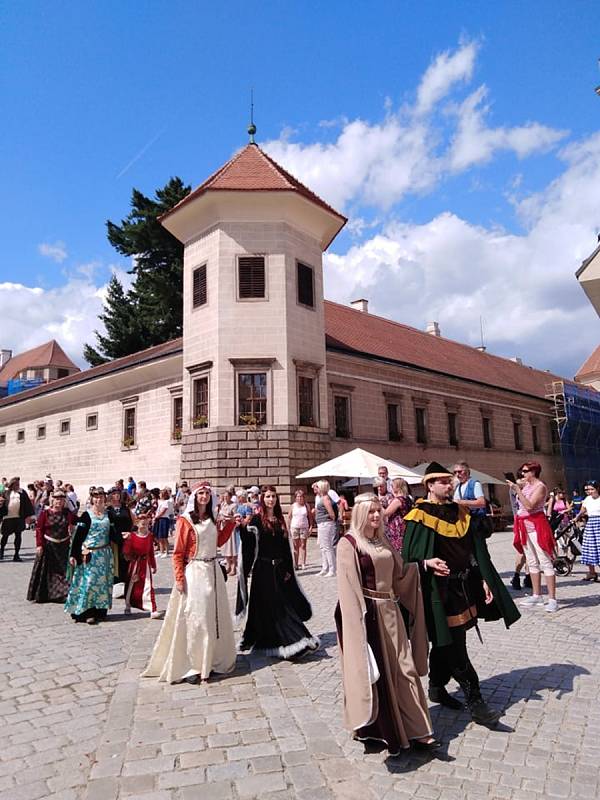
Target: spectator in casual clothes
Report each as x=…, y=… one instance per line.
x=590, y=508
x=19, y=512
x=326, y=519
x=393, y=514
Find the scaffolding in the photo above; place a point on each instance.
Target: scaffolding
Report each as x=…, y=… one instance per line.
x=577, y=430
x=16, y=385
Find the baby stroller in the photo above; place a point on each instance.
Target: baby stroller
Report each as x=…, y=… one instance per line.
x=569, y=542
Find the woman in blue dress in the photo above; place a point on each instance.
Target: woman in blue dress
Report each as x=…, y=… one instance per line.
x=91, y=557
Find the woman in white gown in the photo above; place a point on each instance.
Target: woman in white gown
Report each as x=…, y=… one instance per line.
x=197, y=635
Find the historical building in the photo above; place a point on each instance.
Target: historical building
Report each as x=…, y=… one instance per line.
x=269, y=378
x=42, y=364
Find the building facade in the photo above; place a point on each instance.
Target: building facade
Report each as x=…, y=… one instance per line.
x=269, y=378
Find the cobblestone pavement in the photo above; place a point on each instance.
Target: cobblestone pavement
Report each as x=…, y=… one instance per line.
x=79, y=724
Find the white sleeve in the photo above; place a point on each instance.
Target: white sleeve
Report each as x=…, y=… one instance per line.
x=478, y=490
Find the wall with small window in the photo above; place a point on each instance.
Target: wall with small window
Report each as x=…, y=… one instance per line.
x=119, y=435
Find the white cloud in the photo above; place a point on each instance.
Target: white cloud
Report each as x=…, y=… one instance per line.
x=522, y=285
x=475, y=143
x=56, y=251
x=68, y=313
x=447, y=70
x=412, y=149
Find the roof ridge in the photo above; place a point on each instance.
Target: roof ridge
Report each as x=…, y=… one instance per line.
x=504, y=359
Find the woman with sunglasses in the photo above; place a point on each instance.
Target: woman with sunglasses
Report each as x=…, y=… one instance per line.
x=590, y=508
x=91, y=557
x=533, y=535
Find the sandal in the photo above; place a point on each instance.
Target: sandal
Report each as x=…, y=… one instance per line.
x=590, y=577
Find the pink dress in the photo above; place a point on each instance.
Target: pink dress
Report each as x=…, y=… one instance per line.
x=395, y=524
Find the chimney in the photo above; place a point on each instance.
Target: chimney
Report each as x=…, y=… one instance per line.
x=433, y=329
x=361, y=305
x=5, y=357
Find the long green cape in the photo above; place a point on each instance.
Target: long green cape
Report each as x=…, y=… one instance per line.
x=418, y=545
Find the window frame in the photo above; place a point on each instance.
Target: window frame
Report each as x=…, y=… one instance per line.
x=311, y=270
x=452, y=421
x=421, y=432
x=196, y=271
x=487, y=432
x=535, y=437
x=313, y=417
x=394, y=435
x=129, y=404
x=42, y=428
x=347, y=398
x=196, y=418
x=3, y=439
x=251, y=415
x=20, y=438
x=89, y=416
x=176, y=432
x=517, y=434
x=62, y=431
x=253, y=299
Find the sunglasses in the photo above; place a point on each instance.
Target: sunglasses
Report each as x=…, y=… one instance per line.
x=526, y=471
x=459, y=471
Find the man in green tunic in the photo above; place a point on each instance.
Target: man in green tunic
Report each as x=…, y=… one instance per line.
x=460, y=586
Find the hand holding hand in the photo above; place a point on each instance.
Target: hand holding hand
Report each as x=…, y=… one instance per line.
x=72, y=562
x=438, y=566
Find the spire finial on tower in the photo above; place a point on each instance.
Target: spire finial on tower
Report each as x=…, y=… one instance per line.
x=252, y=126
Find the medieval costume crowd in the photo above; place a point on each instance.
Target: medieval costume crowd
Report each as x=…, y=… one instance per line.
x=412, y=579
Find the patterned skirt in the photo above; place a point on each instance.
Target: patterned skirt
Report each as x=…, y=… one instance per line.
x=49, y=582
x=591, y=542
x=91, y=585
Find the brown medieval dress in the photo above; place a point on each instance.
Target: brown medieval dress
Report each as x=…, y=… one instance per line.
x=383, y=696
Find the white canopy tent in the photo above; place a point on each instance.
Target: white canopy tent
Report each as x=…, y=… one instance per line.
x=482, y=477
x=359, y=463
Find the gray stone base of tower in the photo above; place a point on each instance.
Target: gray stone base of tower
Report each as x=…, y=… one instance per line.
x=272, y=454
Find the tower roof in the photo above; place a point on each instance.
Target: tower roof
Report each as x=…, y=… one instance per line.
x=49, y=354
x=252, y=170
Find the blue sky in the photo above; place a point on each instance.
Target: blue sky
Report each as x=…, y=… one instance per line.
x=455, y=128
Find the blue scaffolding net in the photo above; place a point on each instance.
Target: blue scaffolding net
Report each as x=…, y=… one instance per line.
x=577, y=420
x=20, y=384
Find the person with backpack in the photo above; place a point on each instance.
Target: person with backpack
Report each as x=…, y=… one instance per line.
x=326, y=515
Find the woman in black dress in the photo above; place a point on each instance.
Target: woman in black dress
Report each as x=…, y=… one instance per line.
x=49, y=582
x=277, y=607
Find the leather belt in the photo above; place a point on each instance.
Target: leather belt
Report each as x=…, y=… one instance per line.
x=372, y=594
x=102, y=547
x=58, y=541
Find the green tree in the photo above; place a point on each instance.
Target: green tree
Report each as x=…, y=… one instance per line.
x=155, y=301
x=124, y=334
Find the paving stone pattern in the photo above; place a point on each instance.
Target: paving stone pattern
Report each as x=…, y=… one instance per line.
x=79, y=723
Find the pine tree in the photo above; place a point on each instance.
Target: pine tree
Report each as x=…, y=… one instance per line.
x=124, y=334
x=152, y=311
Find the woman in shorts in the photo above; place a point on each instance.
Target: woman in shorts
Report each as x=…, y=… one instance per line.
x=300, y=523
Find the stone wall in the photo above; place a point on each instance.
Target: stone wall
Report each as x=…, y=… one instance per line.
x=273, y=454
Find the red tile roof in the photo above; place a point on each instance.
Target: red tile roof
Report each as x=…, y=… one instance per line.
x=591, y=365
x=252, y=170
x=142, y=356
x=49, y=354
x=357, y=331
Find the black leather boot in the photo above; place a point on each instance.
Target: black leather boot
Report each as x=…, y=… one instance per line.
x=481, y=713
x=439, y=694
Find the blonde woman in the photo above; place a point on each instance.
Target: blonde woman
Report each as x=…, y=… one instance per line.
x=383, y=696
x=326, y=519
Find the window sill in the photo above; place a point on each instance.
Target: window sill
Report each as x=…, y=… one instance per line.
x=124, y=449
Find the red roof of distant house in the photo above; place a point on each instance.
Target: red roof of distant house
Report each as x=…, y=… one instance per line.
x=171, y=347
x=49, y=354
x=252, y=170
x=360, y=332
x=591, y=366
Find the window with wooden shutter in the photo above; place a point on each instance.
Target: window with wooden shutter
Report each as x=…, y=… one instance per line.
x=199, y=286
x=251, y=277
x=305, y=285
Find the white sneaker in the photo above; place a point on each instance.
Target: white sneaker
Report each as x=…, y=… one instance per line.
x=551, y=605
x=157, y=614
x=322, y=574
x=330, y=574
x=532, y=601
